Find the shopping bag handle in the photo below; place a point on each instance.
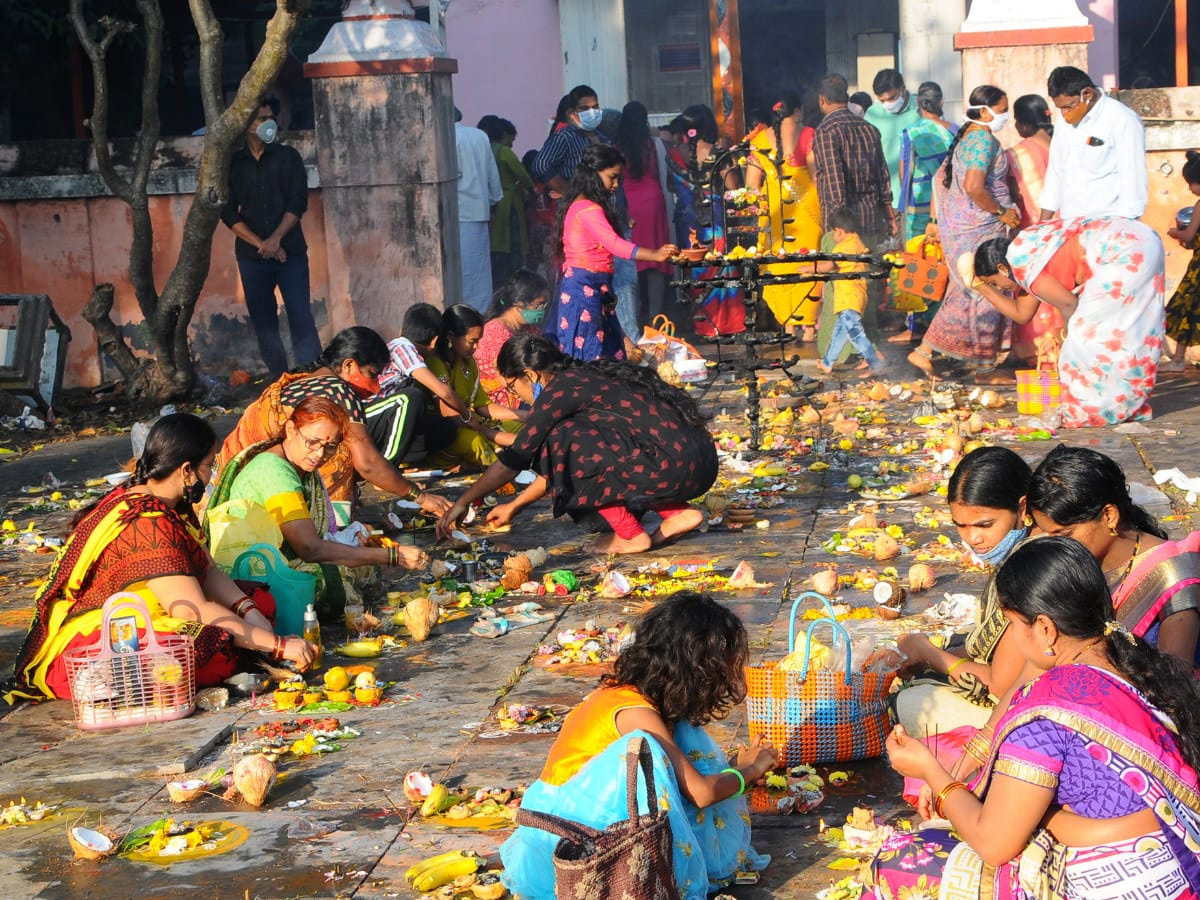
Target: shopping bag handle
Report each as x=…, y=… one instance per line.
x=829, y=613
x=120, y=603
x=266, y=553
x=838, y=631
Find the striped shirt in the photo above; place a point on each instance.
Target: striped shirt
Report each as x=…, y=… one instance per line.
x=561, y=153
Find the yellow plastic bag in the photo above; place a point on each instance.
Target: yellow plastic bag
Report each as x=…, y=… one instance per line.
x=237, y=525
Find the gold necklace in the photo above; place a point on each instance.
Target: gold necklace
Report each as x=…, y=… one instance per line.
x=1137, y=546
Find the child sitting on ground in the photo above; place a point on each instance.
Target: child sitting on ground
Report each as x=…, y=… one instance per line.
x=408, y=375
x=849, y=296
x=684, y=668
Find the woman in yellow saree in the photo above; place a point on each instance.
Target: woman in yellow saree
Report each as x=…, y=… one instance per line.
x=780, y=167
x=142, y=538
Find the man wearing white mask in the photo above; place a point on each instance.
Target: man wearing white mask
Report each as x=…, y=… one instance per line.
x=895, y=111
x=556, y=161
x=1097, y=155
x=268, y=193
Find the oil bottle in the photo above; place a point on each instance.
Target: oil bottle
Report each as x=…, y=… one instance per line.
x=312, y=634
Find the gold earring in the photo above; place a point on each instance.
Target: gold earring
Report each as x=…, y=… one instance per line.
x=1029, y=521
x=1049, y=651
x=1112, y=530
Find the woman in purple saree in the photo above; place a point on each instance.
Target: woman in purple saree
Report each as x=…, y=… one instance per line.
x=1089, y=791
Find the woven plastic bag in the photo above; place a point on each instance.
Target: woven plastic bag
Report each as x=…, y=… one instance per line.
x=237, y=525
x=818, y=716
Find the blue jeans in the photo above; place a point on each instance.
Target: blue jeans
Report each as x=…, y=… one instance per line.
x=260, y=277
x=848, y=327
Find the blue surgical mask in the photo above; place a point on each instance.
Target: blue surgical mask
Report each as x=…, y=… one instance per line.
x=537, y=390
x=534, y=316
x=267, y=131
x=999, y=553
x=589, y=119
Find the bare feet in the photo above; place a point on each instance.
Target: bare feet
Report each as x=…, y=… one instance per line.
x=828, y=370
x=680, y=523
x=862, y=366
x=922, y=360
x=903, y=337
x=611, y=544
x=808, y=334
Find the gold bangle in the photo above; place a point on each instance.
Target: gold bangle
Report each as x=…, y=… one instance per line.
x=943, y=794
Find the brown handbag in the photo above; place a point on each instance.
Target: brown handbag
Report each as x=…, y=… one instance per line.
x=630, y=860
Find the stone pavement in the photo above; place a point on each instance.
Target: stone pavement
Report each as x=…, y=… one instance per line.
x=339, y=824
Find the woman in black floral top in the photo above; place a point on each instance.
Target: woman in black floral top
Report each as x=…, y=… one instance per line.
x=605, y=436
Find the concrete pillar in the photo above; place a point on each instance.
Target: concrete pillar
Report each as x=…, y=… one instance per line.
x=1018, y=60
x=927, y=29
x=384, y=114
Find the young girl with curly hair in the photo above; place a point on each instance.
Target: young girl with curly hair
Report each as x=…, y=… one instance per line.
x=684, y=668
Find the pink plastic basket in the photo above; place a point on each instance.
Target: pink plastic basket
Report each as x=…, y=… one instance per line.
x=112, y=688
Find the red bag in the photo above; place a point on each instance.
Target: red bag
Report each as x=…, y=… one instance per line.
x=924, y=275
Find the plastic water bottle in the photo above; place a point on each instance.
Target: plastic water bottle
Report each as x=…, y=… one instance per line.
x=312, y=634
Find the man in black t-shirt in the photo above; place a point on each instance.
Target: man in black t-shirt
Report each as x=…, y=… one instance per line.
x=268, y=193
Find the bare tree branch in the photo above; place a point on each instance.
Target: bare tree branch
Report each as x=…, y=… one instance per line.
x=98, y=123
x=212, y=42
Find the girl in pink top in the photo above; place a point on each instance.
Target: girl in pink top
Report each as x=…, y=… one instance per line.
x=585, y=321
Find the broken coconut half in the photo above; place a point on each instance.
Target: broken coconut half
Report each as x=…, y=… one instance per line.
x=87, y=843
x=889, y=599
x=183, y=791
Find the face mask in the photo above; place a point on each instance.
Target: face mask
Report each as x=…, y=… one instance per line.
x=894, y=106
x=1000, y=552
x=363, y=386
x=999, y=120
x=589, y=119
x=537, y=389
x=534, y=316
x=193, y=493
x=267, y=131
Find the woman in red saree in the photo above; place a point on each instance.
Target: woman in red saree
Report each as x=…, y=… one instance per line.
x=1089, y=791
x=142, y=538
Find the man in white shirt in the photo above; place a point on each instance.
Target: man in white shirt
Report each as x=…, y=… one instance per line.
x=478, y=191
x=1097, y=155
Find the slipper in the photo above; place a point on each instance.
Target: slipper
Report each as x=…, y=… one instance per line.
x=490, y=627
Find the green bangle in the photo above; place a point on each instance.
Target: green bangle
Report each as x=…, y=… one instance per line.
x=741, y=780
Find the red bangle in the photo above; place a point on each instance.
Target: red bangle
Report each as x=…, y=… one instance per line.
x=243, y=607
x=277, y=649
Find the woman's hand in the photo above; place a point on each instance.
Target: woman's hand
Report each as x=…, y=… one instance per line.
x=925, y=802
x=450, y=519
x=412, y=557
x=917, y=648
x=500, y=516
x=932, y=232
x=663, y=253
x=299, y=651
x=1010, y=217
x=909, y=756
x=434, y=504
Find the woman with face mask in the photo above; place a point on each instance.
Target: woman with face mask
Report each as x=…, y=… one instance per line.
x=971, y=204
x=952, y=692
x=519, y=305
x=605, y=437
x=347, y=372
x=589, y=228
x=143, y=537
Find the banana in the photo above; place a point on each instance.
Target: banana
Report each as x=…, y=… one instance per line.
x=433, y=861
x=365, y=649
x=438, y=801
x=444, y=873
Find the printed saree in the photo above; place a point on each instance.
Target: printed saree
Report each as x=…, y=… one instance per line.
x=127, y=540
x=263, y=422
x=1163, y=581
x=1131, y=746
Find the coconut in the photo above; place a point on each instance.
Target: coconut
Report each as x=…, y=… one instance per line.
x=743, y=576
x=990, y=400
x=438, y=569
x=888, y=593
x=886, y=546
x=921, y=577
x=974, y=423
x=88, y=843
x=183, y=791
x=879, y=391
x=417, y=786
x=866, y=519
x=614, y=585
x=420, y=615
x=365, y=680
x=517, y=569
x=253, y=777
x=825, y=582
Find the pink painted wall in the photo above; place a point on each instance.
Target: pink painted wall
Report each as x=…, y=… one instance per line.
x=63, y=247
x=510, y=63
x=1103, y=51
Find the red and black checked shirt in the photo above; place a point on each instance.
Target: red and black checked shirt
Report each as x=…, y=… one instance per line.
x=851, y=171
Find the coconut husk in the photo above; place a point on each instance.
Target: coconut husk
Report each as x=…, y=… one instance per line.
x=253, y=777
x=95, y=836
x=184, y=791
x=420, y=615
